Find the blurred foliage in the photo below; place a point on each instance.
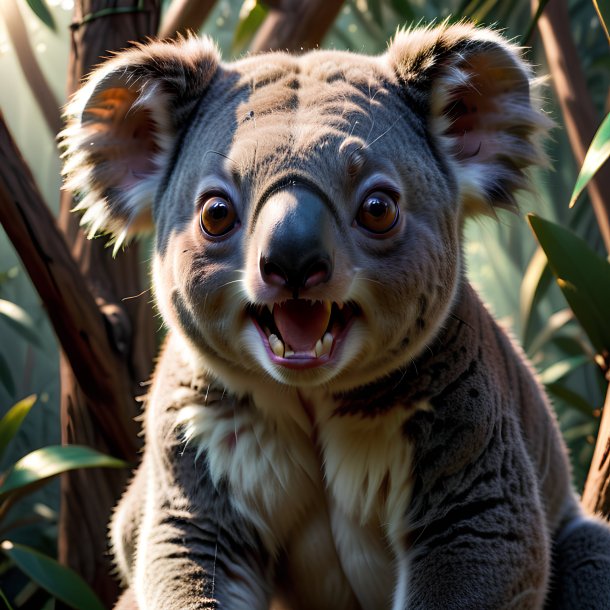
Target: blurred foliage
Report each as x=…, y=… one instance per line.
x=20, y=479
x=503, y=259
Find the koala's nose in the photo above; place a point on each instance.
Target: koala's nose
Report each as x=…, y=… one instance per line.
x=297, y=240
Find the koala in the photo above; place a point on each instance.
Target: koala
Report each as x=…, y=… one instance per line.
x=335, y=421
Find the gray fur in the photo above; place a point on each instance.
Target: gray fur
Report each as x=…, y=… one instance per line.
x=418, y=464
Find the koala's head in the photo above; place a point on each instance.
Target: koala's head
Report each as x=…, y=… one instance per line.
x=308, y=209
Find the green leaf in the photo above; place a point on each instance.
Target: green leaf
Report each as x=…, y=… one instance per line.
x=6, y=378
x=596, y=156
x=20, y=320
x=536, y=281
x=58, y=580
x=557, y=321
x=603, y=11
x=11, y=422
x=526, y=40
x=582, y=275
x=39, y=7
x=51, y=461
x=5, y=601
x=251, y=17
x=560, y=369
x=481, y=13
x=570, y=397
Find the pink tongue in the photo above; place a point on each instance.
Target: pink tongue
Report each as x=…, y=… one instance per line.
x=301, y=323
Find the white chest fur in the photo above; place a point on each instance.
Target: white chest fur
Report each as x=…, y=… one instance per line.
x=332, y=491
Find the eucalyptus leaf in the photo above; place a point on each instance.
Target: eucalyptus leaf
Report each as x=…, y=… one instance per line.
x=536, y=281
x=58, y=580
x=483, y=10
x=560, y=369
x=20, y=320
x=251, y=17
x=526, y=40
x=6, y=378
x=596, y=156
x=557, y=321
x=570, y=397
x=5, y=601
x=41, y=10
x=582, y=275
x=12, y=420
x=51, y=461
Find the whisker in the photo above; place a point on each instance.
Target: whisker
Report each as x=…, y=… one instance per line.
x=369, y=144
x=135, y=296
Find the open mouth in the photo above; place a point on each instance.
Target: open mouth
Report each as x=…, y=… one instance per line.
x=298, y=333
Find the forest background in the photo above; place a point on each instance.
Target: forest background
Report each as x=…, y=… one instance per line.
x=568, y=341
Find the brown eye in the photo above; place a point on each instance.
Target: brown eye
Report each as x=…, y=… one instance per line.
x=378, y=213
x=217, y=216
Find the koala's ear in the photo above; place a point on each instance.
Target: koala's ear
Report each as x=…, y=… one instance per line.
x=475, y=91
x=121, y=127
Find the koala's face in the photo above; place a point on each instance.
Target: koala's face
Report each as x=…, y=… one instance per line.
x=306, y=229
x=308, y=210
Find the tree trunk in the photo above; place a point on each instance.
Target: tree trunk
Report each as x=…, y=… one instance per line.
x=294, y=25
x=88, y=496
x=184, y=16
x=74, y=314
x=579, y=114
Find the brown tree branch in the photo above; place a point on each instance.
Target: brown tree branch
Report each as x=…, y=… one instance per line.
x=295, y=25
x=17, y=32
x=185, y=16
x=74, y=314
x=596, y=495
x=580, y=118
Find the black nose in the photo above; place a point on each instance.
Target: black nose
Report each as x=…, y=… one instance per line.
x=293, y=273
x=297, y=246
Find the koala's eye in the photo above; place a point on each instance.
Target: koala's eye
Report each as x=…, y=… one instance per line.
x=378, y=212
x=218, y=216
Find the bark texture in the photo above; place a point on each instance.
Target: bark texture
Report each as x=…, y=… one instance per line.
x=294, y=25
x=88, y=496
x=579, y=114
x=73, y=312
x=184, y=16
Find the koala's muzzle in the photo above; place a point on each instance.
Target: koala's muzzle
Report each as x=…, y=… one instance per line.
x=295, y=233
x=295, y=228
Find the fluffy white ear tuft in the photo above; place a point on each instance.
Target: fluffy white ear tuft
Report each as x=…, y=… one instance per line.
x=477, y=93
x=121, y=127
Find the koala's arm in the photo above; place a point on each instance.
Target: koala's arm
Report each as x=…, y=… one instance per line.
x=480, y=535
x=194, y=550
x=483, y=548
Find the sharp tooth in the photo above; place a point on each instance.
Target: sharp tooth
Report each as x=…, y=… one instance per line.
x=288, y=353
x=318, y=349
x=277, y=347
x=327, y=343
